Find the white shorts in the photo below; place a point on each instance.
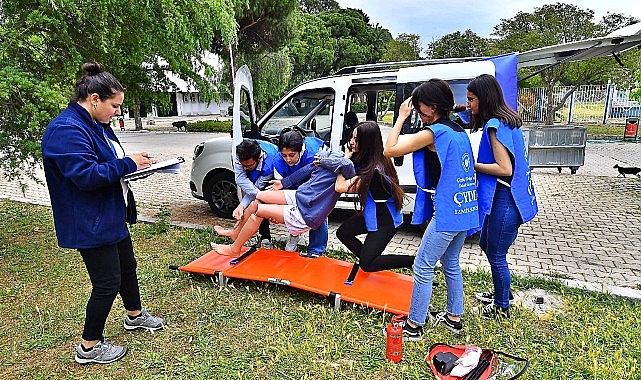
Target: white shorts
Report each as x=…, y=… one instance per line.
x=293, y=219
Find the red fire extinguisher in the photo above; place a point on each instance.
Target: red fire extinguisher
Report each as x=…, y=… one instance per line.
x=394, y=343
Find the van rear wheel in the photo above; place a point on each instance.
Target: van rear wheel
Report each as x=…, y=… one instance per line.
x=221, y=194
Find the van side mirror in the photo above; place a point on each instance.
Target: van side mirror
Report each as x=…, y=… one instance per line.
x=398, y=161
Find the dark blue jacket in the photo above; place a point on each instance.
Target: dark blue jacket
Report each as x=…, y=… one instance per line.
x=83, y=176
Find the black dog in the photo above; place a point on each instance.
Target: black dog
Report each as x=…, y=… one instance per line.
x=631, y=170
x=180, y=125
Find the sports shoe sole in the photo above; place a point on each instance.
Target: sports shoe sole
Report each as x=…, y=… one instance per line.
x=80, y=360
x=487, y=301
x=131, y=328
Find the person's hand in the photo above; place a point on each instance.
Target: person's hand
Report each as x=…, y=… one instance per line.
x=238, y=212
x=142, y=160
x=405, y=109
x=348, y=151
x=276, y=184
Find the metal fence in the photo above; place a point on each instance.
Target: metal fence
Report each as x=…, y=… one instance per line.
x=588, y=104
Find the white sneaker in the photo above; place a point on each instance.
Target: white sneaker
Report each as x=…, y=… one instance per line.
x=292, y=243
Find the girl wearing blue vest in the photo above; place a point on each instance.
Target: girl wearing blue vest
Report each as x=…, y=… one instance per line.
x=381, y=201
x=297, y=151
x=447, y=166
x=506, y=194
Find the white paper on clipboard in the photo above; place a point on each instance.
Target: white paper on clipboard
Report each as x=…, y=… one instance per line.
x=171, y=166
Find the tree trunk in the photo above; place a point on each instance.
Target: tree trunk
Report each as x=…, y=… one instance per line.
x=137, y=118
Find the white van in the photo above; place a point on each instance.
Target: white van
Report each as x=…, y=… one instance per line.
x=319, y=107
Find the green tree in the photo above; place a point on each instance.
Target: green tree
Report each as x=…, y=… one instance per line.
x=556, y=24
x=459, y=45
x=271, y=74
x=43, y=44
x=406, y=47
x=312, y=50
x=318, y=6
x=264, y=28
x=357, y=42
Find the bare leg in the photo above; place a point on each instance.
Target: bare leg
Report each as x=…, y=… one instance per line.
x=272, y=197
x=250, y=227
x=233, y=233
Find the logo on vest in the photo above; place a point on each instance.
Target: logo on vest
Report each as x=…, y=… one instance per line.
x=461, y=197
x=466, y=162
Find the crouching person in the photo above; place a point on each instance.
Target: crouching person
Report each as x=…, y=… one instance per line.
x=300, y=210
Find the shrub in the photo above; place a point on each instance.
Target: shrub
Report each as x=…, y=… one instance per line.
x=359, y=107
x=210, y=126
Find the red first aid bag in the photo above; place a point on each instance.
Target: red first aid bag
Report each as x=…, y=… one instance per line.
x=442, y=358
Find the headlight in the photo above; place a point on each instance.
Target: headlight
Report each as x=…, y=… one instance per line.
x=199, y=149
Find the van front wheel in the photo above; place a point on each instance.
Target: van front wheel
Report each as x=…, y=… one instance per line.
x=221, y=194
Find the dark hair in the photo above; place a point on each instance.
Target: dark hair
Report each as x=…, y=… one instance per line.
x=491, y=103
x=351, y=119
x=292, y=140
x=95, y=80
x=370, y=157
x=435, y=92
x=248, y=149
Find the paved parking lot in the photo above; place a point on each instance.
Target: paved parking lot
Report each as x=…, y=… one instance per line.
x=587, y=232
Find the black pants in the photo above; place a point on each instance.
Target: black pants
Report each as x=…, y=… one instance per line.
x=263, y=230
x=369, y=252
x=112, y=270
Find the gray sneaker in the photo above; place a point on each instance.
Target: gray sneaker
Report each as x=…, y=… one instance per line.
x=267, y=244
x=144, y=321
x=102, y=353
x=292, y=243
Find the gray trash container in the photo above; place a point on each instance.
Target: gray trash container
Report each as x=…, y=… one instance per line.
x=555, y=146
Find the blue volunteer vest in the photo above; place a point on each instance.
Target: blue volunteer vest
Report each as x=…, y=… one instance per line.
x=267, y=167
x=312, y=146
x=369, y=211
x=455, y=198
x=521, y=187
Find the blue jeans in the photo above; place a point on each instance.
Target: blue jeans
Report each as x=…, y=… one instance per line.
x=444, y=246
x=499, y=231
x=318, y=239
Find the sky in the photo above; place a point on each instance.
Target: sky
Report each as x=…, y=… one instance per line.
x=434, y=19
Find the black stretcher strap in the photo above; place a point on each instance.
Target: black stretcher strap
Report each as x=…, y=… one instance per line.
x=352, y=275
x=243, y=256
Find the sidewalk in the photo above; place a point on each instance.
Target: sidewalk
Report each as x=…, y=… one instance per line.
x=587, y=233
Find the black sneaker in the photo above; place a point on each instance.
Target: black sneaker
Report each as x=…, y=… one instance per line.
x=441, y=317
x=488, y=297
x=410, y=334
x=491, y=311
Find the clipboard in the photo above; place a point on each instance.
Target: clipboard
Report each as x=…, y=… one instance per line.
x=167, y=166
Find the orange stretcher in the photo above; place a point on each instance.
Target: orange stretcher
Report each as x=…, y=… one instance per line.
x=385, y=290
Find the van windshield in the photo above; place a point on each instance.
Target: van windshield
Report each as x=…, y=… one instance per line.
x=311, y=111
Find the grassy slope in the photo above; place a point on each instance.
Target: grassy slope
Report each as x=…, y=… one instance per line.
x=252, y=330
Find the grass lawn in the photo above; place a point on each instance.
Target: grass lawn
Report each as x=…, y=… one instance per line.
x=253, y=330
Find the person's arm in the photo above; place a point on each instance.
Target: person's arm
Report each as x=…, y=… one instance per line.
x=336, y=162
x=298, y=177
x=249, y=189
x=346, y=185
x=263, y=181
x=396, y=145
x=72, y=152
x=503, y=165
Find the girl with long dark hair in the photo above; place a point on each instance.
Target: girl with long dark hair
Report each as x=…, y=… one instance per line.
x=380, y=202
x=506, y=194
